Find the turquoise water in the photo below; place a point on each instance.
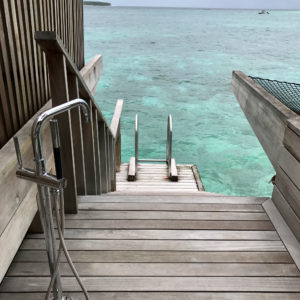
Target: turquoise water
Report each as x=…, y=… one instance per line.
x=179, y=62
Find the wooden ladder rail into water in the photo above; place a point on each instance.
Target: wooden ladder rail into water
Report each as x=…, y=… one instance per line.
x=95, y=152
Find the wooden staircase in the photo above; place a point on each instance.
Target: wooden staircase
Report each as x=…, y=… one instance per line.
x=135, y=245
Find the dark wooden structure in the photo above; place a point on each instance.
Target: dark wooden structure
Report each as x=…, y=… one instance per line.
x=24, y=85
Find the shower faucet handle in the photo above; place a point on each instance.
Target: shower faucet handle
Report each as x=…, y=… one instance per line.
x=18, y=152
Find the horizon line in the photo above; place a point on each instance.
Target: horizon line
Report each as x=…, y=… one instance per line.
x=205, y=8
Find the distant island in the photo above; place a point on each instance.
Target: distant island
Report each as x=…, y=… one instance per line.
x=96, y=3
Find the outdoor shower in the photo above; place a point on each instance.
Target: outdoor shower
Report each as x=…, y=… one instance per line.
x=50, y=190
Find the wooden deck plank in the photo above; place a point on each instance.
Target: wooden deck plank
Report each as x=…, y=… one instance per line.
x=171, y=207
x=161, y=256
x=242, y=284
x=102, y=234
x=157, y=269
x=165, y=247
x=162, y=245
x=186, y=199
x=170, y=224
x=167, y=215
x=160, y=296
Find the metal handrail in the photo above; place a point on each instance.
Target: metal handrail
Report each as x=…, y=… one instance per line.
x=133, y=164
x=169, y=140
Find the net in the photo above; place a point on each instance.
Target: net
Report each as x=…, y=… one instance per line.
x=286, y=92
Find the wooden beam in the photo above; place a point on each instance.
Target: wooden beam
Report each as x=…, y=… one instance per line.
x=173, y=175
x=115, y=127
x=131, y=170
x=60, y=94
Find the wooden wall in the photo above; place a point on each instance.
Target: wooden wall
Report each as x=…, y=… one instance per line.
x=286, y=194
x=24, y=84
x=278, y=130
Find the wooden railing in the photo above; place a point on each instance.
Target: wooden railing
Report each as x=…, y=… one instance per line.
x=90, y=151
x=24, y=86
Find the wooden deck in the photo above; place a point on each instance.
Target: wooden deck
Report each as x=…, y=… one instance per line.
x=169, y=247
x=154, y=177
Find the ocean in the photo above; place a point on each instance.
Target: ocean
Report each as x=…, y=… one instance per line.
x=165, y=61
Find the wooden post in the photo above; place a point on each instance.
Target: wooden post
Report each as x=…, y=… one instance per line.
x=112, y=163
x=89, y=155
x=60, y=94
x=118, y=150
x=103, y=157
x=97, y=152
x=109, y=155
x=115, y=128
x=78, y=146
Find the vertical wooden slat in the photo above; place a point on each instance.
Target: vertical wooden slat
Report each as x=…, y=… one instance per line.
x=88, y=147
x=23, y=49
x=6, y=93
x=109, y=156
x=118, y=150
x=32, y=27
x=97, y=152
x=5, y=126
x=3, y=135
x=17, y=88
x=112, y=163
x=77, y=33
x=43, y=20
x=51, y=14
x=59, y=93
x=48, y=15
x=24, y=71
x=18, y=53
x=103, y=157
x=38, y=50
x=30, y=56
x=77, y=137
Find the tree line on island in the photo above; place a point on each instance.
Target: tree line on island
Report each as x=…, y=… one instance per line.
x=99, y=3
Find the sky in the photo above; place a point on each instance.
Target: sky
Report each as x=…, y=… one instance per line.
x=247, y=4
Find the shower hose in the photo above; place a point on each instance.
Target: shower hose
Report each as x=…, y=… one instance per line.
x=60, y=220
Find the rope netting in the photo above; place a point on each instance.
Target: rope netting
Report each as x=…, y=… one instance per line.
x=286, y=92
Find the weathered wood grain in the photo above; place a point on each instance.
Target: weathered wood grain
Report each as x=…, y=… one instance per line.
x=266, y=114
x=162, y=296
x=285, y=233
x=166, y=215
x=131, y=170
x=171, y=207
x=158, y=269
x=287, y=212
x=97, y=234
x=180, y=198
x=247, y=284
x=162, y=245
x=170, y=224
x=290, y=191
x=60, y=94
x=161, y=256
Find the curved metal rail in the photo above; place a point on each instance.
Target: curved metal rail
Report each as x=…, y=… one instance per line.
x=133, y=163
